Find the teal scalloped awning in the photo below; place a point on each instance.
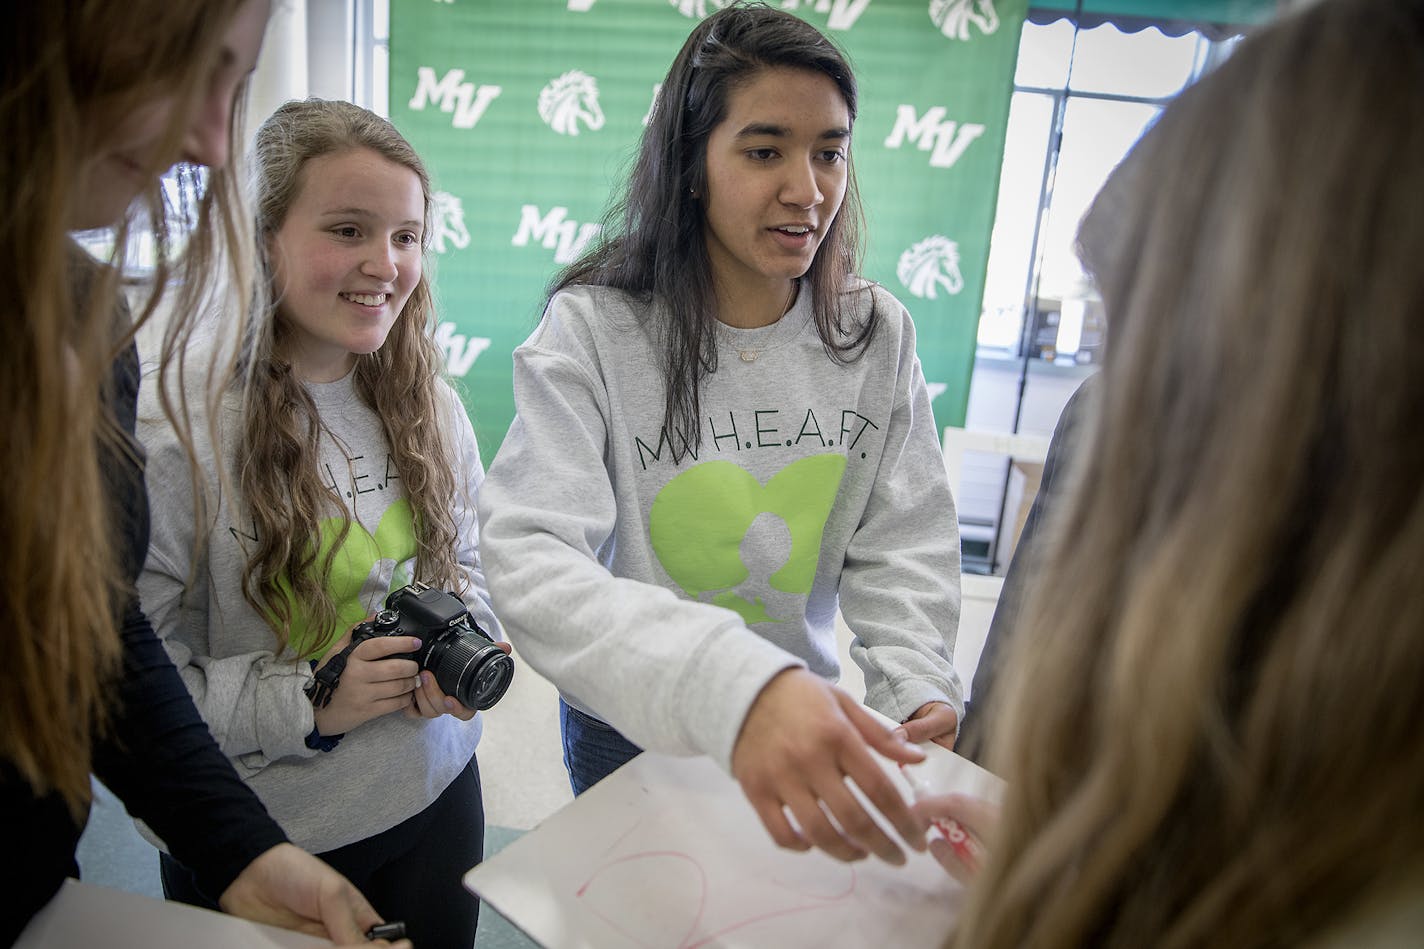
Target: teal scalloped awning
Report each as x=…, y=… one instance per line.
x=1174, y=17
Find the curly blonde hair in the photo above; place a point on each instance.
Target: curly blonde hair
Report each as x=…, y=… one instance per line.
x=282, y=489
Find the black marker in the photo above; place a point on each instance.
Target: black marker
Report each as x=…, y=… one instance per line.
x=386, y=931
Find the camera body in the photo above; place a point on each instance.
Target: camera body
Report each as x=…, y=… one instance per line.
x=465, y=661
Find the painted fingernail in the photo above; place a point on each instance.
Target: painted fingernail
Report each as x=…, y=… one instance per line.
x=959, y=839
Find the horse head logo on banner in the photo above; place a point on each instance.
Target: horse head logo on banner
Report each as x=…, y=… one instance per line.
x=569, y=100
x=954, y=17
x=931, y=263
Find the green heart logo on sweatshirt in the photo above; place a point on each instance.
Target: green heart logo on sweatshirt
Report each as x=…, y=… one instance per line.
x=353, y=565
x=700, y=518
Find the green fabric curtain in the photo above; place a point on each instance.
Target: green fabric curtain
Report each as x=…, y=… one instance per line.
x=1224, y=12
x=528, y=111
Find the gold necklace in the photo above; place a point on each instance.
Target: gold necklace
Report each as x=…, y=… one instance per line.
x=750, y=355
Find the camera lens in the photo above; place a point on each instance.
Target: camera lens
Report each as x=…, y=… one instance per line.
x=471, y=669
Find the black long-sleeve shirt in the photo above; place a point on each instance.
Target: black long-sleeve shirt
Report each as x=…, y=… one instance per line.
x=158, y=755
x=979, y=713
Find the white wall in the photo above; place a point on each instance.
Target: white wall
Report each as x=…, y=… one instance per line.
x=308, y=51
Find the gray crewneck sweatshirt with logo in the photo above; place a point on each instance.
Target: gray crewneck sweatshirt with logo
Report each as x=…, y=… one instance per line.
x=383, y=771
x=662, y=594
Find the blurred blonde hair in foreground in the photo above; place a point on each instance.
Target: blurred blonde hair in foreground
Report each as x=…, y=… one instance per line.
x=1212, y=730
x=73, y=72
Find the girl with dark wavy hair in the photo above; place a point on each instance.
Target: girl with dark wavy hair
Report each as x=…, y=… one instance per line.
x=353, y=470
x=723, y=434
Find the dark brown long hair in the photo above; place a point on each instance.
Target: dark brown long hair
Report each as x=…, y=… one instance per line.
x=652, y=244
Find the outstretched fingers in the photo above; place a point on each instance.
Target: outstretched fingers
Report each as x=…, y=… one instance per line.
x=801, y=741
x=871, y=778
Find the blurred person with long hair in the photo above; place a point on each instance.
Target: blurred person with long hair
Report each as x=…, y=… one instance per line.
x=99, y=99
x=1210, y=715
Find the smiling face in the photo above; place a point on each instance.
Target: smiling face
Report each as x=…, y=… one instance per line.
x=776, y=176
x=346, y=258
x=133, y=153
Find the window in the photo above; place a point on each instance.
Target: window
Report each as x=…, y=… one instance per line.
x=373, y=55
x=1075, y=112
x=1082, y=98
x=183, y=186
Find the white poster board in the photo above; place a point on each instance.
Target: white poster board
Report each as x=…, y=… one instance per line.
x=82, y=915
x=666, y=853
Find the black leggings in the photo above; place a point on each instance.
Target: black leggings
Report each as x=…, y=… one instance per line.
x=411, y=872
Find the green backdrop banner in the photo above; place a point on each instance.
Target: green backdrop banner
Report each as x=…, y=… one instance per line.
x=528, y=113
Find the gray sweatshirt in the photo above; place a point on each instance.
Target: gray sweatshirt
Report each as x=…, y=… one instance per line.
x=385, y=770
x=662, y=595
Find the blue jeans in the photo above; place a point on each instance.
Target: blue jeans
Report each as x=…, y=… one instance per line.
x=593, y=749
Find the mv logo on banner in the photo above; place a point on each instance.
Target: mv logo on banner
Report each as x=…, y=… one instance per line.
x=948, y=138
x=460, y=350
x=555, y=231
x=452, y=94
x=842, y=13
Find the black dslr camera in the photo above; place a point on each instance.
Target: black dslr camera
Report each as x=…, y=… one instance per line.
x=466, y=663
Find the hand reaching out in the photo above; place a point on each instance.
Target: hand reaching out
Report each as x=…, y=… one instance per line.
x=290, y=888
x=801, y=739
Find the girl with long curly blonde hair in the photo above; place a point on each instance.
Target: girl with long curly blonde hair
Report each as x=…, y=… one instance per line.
x=351, y=470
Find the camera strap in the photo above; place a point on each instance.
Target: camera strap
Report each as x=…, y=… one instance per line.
x=325, y=680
